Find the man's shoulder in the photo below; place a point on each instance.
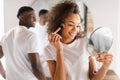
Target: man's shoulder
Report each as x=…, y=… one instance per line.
x=11, y=31
x=8, y=35
x=26, y=31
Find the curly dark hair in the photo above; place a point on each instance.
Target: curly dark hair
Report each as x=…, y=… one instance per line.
x=59, y=12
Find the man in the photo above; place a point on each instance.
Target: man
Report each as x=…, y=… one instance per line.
x=41, y=28
x=43, y=17
x=20, y=46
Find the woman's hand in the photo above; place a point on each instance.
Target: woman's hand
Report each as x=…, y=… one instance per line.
x=57, y=68
x=105, y=58
x=54, y=39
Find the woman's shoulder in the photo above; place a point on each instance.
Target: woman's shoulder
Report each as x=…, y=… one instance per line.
x=83, y=40
x=50, y=52
x=49, y=47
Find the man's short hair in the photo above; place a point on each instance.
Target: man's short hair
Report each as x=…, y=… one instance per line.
x=23, y=10
x=42, y=12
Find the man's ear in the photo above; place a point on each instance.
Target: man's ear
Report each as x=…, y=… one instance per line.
x=21, y=18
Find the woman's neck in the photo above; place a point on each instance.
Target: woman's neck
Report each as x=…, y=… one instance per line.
x=67, y=41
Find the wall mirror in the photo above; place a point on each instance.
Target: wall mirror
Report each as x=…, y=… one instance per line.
x=11, y=20
x=84, y=12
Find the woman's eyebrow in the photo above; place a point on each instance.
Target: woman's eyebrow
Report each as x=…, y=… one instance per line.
x=74, y=22
x=71, y=22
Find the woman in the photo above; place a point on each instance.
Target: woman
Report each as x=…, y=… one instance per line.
x=66, y=54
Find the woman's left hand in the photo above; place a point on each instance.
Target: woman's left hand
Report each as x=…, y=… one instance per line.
x=105, y=58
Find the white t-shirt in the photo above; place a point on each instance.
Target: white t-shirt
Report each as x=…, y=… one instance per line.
x=41, y=32
x=43, y=35
x=16, y=45
x=76, y=58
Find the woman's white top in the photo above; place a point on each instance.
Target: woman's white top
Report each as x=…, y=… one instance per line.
x=76, y=58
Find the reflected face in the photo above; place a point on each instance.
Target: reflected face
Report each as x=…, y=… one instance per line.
x=43, y=18
x=71, y=27
x=29, y=18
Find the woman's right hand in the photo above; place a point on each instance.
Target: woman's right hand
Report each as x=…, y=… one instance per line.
x=55, y=38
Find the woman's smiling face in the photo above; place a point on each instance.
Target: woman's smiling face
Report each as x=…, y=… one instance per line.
x=71, y=28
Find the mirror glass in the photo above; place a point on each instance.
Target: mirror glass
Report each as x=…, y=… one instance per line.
x=100, y=40
x=11, y=21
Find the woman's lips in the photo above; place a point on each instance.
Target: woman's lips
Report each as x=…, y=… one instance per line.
x=72, y=34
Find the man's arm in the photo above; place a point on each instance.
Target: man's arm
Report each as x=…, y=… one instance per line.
x=2, y=71
x=36, y=66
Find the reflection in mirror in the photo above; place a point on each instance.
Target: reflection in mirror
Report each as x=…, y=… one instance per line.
x=100, y=40
x=84, y=10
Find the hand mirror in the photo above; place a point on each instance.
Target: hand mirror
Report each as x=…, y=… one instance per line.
x=100, y=40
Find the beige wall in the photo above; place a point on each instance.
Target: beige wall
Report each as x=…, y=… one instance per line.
x=10, y=11
x=1, y=19
x=105, y=13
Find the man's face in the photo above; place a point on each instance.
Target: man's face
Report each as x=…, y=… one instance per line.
x=43, y=18
x=28, y=19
